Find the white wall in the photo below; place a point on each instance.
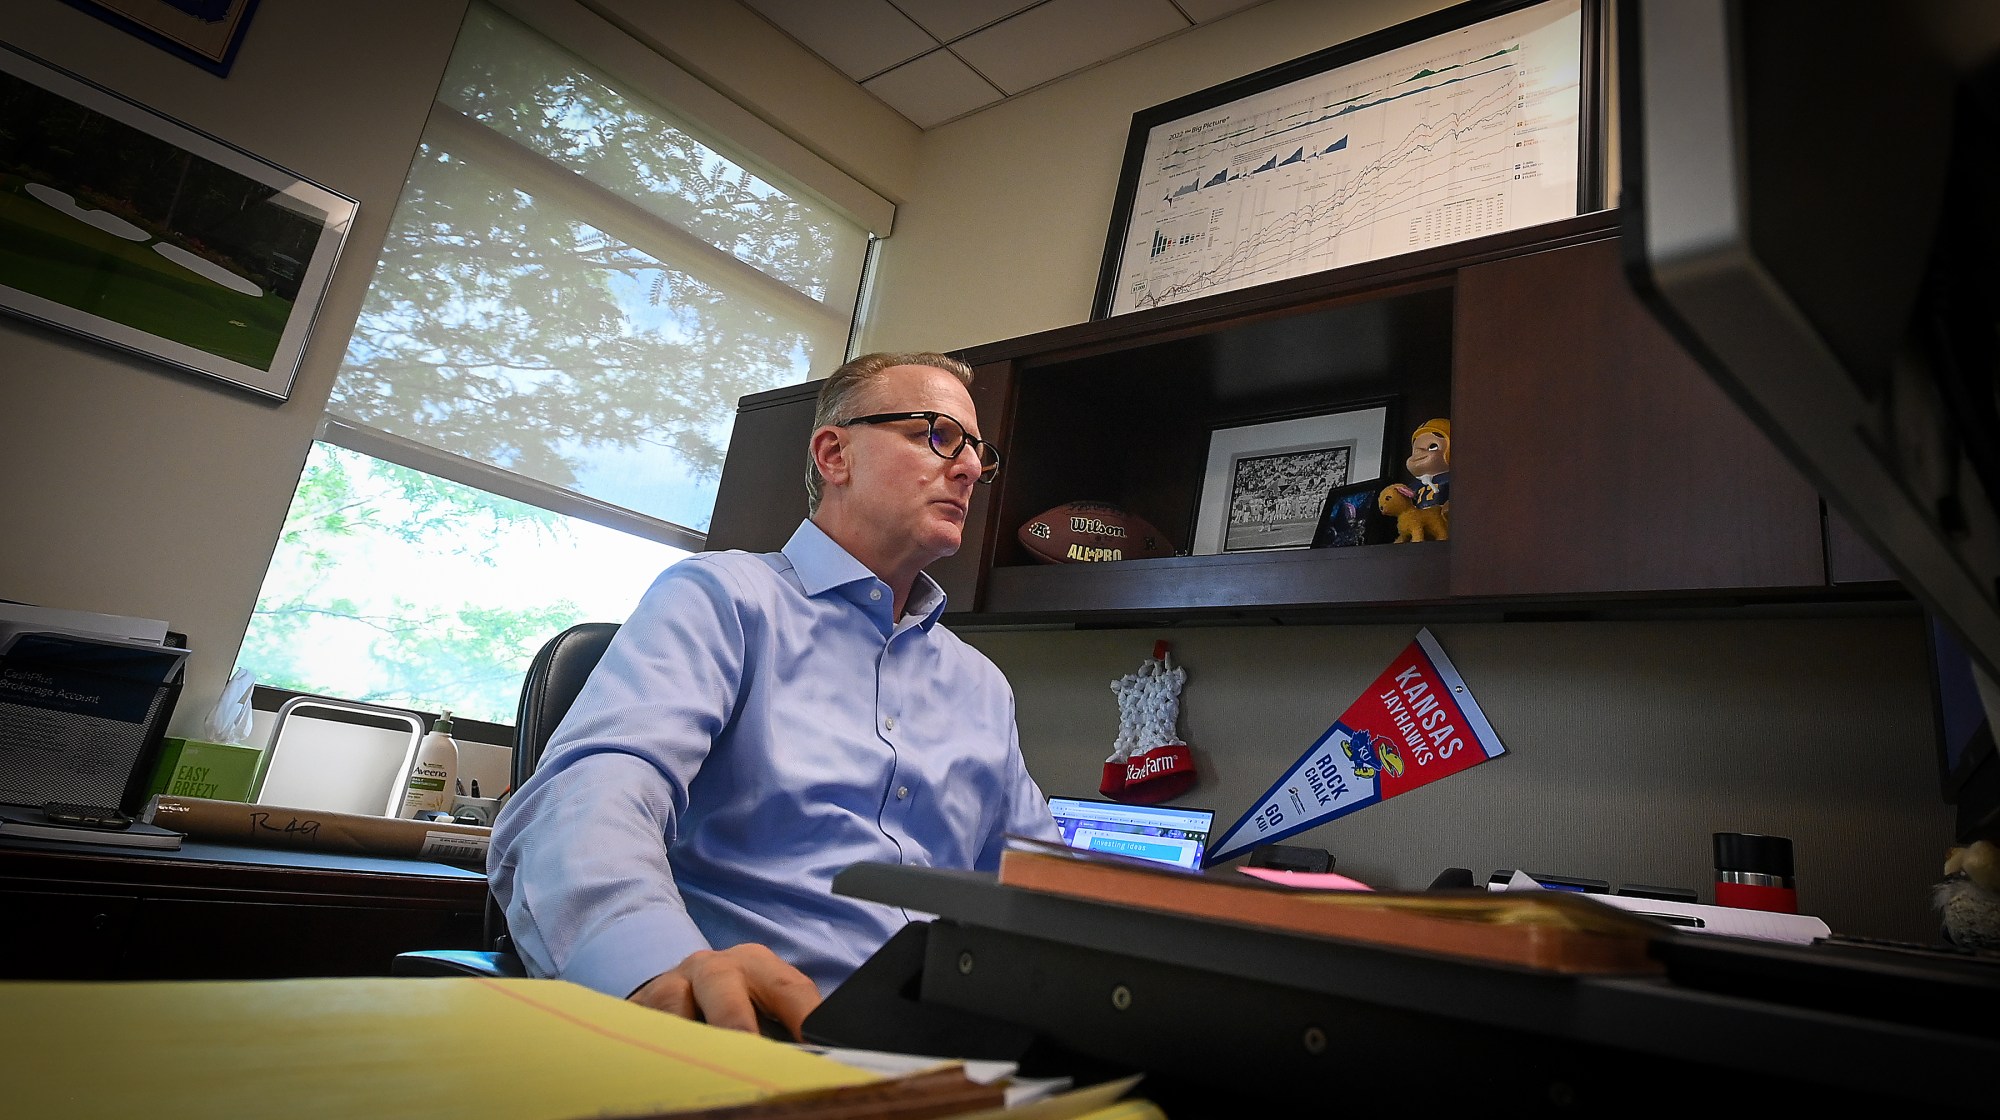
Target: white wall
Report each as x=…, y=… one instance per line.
x=1005, y=230
x=126, y=486
x=1629, y=744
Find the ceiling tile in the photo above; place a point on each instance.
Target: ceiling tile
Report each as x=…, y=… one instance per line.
x=1062, y=36
x=860, y=37
x=948, y=19
x=1202, y=11
x=933, y=89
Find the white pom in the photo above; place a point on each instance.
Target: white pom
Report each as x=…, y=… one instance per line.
x=1148, y=708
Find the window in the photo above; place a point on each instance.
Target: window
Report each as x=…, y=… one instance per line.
x=532, y=414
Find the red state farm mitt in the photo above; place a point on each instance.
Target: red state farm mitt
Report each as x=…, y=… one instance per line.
x=1149, y=763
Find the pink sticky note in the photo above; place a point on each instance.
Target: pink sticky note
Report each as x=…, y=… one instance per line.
x=1307, y=880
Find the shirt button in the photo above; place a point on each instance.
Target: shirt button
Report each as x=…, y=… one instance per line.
x=874, y=593
x=902, y=792
x=890, y=723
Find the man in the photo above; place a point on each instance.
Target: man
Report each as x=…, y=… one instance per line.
x=763, y=721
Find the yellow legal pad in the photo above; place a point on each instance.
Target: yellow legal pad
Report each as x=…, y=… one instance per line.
x=375, y=1047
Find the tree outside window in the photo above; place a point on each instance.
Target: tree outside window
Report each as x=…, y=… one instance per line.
x=575, y=292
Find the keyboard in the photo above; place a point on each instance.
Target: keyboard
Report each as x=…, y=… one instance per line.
x=1937, y=952
x=1936, y=986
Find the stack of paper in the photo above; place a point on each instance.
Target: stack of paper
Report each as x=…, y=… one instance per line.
x=440, y=1048
x=1763, y=925
x=16, y=618
x=61, y=660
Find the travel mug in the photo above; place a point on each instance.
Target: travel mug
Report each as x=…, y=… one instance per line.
x=1754, y=872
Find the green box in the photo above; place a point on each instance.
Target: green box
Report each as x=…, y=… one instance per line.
x=192, y=768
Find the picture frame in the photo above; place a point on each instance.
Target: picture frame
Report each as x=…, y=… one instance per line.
x=1265, y=484
x=207, y=33
x=1337, y=158
x=129, y=228
x=1351, y=516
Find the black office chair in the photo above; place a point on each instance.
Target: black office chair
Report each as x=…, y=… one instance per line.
x=554, y=678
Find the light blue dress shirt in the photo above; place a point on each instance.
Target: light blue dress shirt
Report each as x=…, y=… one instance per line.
x=758, y=724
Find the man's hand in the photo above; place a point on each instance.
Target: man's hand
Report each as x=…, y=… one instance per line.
x=728, y=987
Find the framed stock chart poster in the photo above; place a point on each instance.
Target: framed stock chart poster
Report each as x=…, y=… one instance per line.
x=1474, y=120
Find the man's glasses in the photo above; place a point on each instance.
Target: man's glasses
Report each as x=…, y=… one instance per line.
x=948, y=437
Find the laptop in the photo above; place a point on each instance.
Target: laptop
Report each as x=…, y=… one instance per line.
x=1171, y=834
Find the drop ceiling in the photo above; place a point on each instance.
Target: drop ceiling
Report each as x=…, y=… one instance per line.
x=935, y=61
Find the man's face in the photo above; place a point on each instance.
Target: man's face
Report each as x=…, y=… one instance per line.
x=909, y=499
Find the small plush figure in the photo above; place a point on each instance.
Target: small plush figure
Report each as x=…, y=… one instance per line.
x=1412, y=524
x=1430, y=461
x=1969, y=897
x=1423, y=512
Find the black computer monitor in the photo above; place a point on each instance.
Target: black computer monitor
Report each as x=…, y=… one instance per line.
x=1806, y=202
x=1968, y=766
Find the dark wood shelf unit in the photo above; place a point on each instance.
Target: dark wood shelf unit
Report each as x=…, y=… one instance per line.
x=1132, y=426
x=1596, y=467
x=1121, y=410
x=1264, y=583
x=1592, y=454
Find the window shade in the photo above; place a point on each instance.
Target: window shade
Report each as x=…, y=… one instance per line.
x=577, y=288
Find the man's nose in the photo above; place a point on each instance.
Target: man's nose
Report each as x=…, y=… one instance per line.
x=966, y=462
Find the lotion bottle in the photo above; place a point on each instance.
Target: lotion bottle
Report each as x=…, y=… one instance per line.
x=434, y=771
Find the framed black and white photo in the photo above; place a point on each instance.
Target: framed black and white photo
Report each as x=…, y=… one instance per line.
x=1266, y=483
x=1474, y=120
x=129, y=228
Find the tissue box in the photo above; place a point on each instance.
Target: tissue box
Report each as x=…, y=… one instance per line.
x=192, y=768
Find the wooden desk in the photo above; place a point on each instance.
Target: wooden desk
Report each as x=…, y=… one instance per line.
x=221, y=911
x=1231, y=1019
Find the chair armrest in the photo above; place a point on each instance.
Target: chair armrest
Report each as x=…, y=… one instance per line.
x=457, y=962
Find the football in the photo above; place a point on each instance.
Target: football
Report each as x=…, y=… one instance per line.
x=1091, y=532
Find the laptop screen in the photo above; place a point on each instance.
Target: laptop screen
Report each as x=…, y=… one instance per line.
x=1165, y=833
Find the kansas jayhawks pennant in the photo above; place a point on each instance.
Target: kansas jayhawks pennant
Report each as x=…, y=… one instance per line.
x=1417, y=723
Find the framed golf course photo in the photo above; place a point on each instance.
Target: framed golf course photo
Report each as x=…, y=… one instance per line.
x=126, y=227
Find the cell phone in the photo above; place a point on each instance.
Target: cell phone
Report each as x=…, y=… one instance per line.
x=86, y=816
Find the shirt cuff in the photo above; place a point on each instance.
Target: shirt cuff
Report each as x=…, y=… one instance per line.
x=621, y=957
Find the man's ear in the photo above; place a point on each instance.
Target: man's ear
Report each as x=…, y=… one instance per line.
x=829, y=454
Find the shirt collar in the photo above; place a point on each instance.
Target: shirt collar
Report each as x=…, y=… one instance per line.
x=823, y=565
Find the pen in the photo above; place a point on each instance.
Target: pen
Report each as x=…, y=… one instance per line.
x=475, y=787
x=461, y=787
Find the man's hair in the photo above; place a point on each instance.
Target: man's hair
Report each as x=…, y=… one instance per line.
x=840, y=398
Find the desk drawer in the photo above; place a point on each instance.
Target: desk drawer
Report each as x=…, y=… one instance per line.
x=203, y=940
x=51, y=936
